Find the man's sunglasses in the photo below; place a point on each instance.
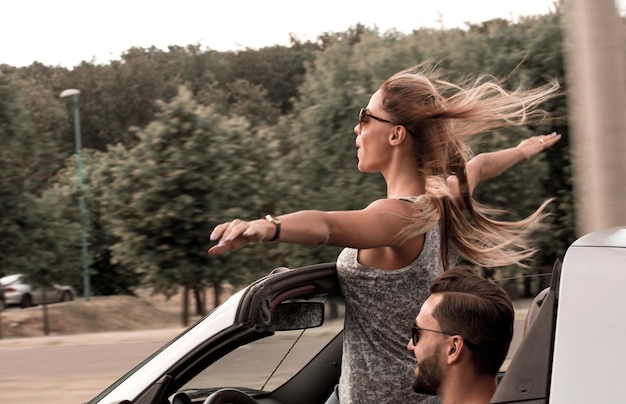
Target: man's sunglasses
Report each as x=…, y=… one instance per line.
x=415, y=336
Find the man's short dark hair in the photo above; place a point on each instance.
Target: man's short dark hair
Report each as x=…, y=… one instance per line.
x=480, y=311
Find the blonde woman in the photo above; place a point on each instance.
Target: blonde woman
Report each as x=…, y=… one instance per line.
x=413, y=132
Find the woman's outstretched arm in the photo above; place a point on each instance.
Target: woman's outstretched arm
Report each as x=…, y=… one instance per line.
x=488, y=165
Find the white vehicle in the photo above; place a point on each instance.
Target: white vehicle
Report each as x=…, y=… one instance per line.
x=279, y=340
x=19, y=293
x=573, y=350
x=2, y=303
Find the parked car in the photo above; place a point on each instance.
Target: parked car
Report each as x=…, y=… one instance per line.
x=2, y=300
x=279, y=340
x=19, y=293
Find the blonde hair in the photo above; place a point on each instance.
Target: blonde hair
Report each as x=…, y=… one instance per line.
x=440, y=115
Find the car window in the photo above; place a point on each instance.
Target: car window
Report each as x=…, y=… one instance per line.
x=266, y=364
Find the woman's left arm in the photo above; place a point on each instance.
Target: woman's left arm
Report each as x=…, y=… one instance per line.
x=487, y=165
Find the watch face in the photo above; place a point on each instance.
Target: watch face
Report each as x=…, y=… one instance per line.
x=275, y=222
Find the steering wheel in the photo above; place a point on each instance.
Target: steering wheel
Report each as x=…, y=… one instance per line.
x=228, y=395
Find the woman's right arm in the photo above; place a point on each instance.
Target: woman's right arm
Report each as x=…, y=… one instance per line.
x=314, y=227
x=303, y=227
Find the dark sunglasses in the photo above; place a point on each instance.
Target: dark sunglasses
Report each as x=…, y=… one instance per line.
x=363, y=114
x=415, y=336
x=415, y=333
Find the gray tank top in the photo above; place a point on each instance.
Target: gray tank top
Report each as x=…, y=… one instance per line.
x=381, y=306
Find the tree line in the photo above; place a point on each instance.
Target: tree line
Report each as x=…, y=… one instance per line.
x=176, y=141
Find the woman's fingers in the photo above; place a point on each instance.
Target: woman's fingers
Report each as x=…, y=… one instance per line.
x=218, y=231
x=536, y=144
x=234, y=235
x=549, y=140
x=228, y=231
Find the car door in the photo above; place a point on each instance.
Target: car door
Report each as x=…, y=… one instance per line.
x=250, y=346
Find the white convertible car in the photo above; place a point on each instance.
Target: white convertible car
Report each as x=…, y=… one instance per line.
x=279, y=340
x=276, y=341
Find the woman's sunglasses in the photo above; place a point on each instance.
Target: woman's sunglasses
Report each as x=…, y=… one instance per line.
x=364, y=114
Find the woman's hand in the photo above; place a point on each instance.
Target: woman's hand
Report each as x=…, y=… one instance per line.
x=236, y=234
x=535, y=144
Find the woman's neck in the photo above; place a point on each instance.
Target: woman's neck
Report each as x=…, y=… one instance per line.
x=407, y=184
x=401, y=173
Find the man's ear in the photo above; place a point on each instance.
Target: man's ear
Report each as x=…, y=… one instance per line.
x=454, y=348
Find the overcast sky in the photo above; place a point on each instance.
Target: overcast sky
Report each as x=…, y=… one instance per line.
x=67, y=32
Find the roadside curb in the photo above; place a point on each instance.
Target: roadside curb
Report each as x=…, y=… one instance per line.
x=108, y=337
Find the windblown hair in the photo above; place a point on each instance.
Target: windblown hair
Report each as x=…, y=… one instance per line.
x=478, y=310
x=440, y=115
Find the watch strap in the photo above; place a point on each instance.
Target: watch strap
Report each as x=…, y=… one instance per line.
x=276, y=222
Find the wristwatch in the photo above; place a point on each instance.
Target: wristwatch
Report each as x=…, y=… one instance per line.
x=276, y=222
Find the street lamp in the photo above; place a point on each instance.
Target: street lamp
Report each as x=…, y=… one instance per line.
x=81, y=197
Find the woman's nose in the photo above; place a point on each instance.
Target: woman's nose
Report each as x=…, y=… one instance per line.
x=356, y=129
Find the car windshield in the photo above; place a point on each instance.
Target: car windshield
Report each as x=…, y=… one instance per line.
x=266, y=364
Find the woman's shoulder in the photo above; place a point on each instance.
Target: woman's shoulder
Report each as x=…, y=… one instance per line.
x=402, y=201
x=389, y=206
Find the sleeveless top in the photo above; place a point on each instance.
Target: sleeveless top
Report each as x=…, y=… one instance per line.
x=381, y=306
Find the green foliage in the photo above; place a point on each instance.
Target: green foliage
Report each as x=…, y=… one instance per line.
x=106, y=276
x=54, y=255
x=183, y=139
x=10, y=187
x=51, y=137
x=190, y=170
x=277, y=70
x=15, y=203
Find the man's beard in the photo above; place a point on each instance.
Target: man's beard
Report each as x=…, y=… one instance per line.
x=428, y=379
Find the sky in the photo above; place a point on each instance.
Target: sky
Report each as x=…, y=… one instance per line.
x=68, y=32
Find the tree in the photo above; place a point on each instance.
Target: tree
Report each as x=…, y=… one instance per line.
x=277, y=70
x=106, y=276
x=15, y=132
x=50, y=258
x=191, y=169
x=29, y=225
x=50, y=139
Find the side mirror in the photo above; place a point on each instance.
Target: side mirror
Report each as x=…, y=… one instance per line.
x=297, y=316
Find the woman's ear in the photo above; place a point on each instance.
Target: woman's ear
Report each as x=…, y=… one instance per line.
x=397, y=136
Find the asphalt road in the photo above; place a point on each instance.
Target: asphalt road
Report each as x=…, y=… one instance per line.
x=71, y=369
x=42, y=362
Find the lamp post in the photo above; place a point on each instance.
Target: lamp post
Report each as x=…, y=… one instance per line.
x=81, y=197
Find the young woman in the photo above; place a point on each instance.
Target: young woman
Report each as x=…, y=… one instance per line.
x=412, y=132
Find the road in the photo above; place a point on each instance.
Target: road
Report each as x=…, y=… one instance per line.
x=71, y=369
